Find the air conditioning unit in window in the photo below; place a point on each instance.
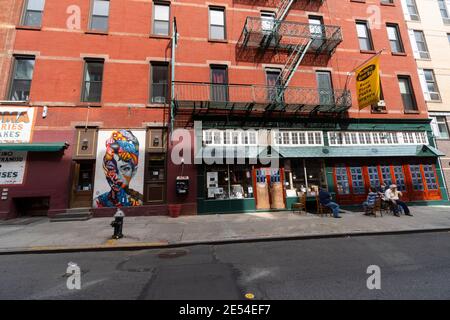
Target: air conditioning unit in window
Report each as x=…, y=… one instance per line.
x=381, y=103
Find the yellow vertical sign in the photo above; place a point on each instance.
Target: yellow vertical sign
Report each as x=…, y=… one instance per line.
x=368, y=83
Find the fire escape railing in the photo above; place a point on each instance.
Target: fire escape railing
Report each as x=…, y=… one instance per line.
x=241, y=97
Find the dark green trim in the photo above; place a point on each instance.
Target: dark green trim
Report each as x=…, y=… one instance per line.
x=34, y=147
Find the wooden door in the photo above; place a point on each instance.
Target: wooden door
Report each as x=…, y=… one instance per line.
x=82, y=184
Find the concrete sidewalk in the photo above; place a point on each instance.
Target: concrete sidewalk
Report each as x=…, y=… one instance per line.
x=40, y=235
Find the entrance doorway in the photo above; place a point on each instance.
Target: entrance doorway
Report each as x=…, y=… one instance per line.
x=82, y=184
x=270, y=193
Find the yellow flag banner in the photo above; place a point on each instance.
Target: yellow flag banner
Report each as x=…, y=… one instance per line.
x=368, y=83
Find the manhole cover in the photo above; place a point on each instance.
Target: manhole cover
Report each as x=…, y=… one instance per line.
x=172, y=254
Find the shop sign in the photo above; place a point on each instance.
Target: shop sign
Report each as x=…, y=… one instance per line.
x=16, y=124
x=119, y=172
x=12, y=167
x=368, y=83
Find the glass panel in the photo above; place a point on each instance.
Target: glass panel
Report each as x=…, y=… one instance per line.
x=159, y=83
x=99, y=23
x=342, y=184
x=357, y=180
x=416, y=177
x=217, y=17
x=85, y=178
x=373, y=176
x=219, y=88
x=217, y=32
x=399, y=178
x=386, y=174
x=430, y=177
x=101, y=8
x=162, y=12
x=161, y=28
x=33, y=18
x=36, y=5
x=24, y=69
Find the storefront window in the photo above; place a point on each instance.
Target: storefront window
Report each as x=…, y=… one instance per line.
x=342, y=185
x=229, y=182
x=308, y=180
x=416, y=177
x=430, y=177
x=399, y=178
x=373, y=176
x=386, y=174
x=357, y=180
x=85, y=177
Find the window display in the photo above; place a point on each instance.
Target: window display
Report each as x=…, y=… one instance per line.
x=229, y=182
x=307, y=175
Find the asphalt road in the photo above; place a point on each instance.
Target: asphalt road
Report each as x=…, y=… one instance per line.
x=414, y=266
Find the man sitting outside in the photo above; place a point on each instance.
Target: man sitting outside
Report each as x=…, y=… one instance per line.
x=393, y=196
x=325, y=199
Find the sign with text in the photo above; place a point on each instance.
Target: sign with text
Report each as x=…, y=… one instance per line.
x=368, y=83
x=12, y=167
x=16, y=124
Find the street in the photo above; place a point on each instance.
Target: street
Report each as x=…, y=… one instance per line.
x=413, y=266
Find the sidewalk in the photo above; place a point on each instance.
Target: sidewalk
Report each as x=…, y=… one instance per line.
x=40, y=235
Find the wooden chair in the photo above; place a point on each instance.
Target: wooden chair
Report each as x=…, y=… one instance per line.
x=377, y=207
x=322, y=210
x=301, y=204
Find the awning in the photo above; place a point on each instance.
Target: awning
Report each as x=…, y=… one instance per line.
x=360, y=151
x=34, y=147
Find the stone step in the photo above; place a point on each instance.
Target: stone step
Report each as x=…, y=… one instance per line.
x=81, y=214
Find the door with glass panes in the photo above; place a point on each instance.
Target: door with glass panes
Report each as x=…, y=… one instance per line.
x=325, y=88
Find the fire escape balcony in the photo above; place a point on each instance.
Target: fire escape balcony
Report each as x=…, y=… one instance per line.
x=265, y=34
x=209, y=98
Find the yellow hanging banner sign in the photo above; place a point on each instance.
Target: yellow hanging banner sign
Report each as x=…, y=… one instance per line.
x=368, y=83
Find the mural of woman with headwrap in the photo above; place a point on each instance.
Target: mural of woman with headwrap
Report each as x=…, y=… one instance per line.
x=120, y=165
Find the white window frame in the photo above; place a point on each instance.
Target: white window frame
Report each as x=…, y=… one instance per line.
x=310, y=138
x=377, y=138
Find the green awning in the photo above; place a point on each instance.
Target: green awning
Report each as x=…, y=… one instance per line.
x=34, y=147
x=359, y=151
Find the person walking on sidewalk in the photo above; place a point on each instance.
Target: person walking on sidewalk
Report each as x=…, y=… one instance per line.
x=325, y=199
x=393, y=196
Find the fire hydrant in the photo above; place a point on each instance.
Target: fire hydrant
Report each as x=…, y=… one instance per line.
x=117, y=224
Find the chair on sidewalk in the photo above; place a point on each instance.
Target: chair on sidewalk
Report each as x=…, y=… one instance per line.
x=377, y=207
x=321, y=209
x=301, y=204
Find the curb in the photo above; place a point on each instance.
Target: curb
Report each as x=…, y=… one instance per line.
x=166, y=245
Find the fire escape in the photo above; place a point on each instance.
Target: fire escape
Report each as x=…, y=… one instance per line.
x=271, y=34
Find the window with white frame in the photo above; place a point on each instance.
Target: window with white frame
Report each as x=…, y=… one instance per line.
x=298, y=138
x=376, y=138
x=230, y=137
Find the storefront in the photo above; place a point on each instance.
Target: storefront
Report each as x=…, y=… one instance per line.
x=347, y=162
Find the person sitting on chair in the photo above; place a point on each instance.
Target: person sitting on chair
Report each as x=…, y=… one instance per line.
x=325, y=199
x=370, y=202
x=393, y=196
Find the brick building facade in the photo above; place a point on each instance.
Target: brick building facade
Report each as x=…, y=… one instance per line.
x=101, y=104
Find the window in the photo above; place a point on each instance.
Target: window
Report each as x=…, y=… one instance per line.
x=399, y=178
x=298, y=138
x=325, y=87
x=274, y=90
x=21, y=79
x=364, y=37
x=350, y=138
x=419, y=44
x=93, y=78
x=373, y=176
x=395, y=38
x=429, y=85
x=32, y=16
x=161, y=19
x=386, y=175
x=440, y=127
x=160, y=81
x=430, y=177
x=342, y=184
x=99, y=16
x=406, y=91
x=410, y=10
x=416, y=177
x=219, y=83
x=444, y=11
x=267, y=21
x=357, y=180
x=229, y=182
x=217, y=23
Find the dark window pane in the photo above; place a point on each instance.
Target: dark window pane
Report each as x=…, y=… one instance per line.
x=99, y=23
x=21, y=81
x=219, y=88
x=33, y=18
x=93, y=82
x=159, y=83
x=20, y=90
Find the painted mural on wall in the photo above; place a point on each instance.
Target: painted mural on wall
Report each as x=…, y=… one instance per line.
x=119, y=174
